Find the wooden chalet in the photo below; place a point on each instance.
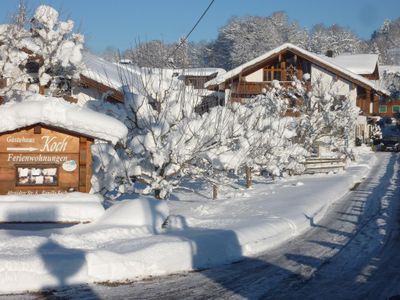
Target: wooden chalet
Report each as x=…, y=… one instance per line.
x=287, y=61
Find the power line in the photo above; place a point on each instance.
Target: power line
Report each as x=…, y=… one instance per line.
x=190, y=32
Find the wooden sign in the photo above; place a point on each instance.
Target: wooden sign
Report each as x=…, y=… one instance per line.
x=40, y=159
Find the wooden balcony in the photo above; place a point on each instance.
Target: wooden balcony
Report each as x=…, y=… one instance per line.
x=250, y=89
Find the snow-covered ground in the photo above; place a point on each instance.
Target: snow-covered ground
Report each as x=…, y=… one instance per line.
x=200, y=233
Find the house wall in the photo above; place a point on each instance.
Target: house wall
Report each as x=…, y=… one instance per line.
x=389, y=109
x=330, y=81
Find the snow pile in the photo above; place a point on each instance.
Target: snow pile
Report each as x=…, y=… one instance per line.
x=127, y=219
x=145, y=211
x=59, y=113
x=62, y=207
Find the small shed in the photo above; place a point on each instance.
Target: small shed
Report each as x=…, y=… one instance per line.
x=45, y=145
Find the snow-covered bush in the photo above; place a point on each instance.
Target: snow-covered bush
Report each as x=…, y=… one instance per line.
x=325, y=117
x=168, y=139
x=266, y=140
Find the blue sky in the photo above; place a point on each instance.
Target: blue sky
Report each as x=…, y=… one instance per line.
x=119, y=23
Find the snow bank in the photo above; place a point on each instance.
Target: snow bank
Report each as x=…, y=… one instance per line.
x=64, y=207
x=127, y=219
x=59, y=113
x=202, y=233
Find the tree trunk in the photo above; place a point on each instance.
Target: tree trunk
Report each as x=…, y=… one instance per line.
x=249, y=181
x=41, y=89
x=157, y=194
x=215, y=192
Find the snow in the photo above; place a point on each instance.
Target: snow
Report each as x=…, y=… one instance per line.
x=101, y=70
x=46, y=15
x=61, y=207
x=200, y=233
x=389, y=69
x=357, y=63
x=59, y=113
x=110, y=74
x=287, y=46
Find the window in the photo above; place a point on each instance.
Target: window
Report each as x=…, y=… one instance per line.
x=272, y=73
x=382, y=108
x=396, y=108
x=37, y=176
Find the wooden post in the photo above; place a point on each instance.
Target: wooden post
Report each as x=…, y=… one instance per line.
x=41, y=89
x=215, y=191
x=157, y=194
x=249, y=181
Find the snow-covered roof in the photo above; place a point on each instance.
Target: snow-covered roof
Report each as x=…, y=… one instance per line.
x=357, y=63
x=57, y=112
x=110, y=74
x=202, y=71
x=314, y=57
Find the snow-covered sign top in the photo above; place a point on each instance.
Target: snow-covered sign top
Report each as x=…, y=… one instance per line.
x=287, y=46
x=357, y=63
x=59, y=113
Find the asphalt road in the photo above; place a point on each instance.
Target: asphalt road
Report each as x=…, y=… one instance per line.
x=353, y=253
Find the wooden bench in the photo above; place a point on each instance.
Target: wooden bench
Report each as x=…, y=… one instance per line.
x=315, y=165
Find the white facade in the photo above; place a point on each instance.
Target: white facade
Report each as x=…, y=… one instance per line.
x=257, y=76
x=330, y=82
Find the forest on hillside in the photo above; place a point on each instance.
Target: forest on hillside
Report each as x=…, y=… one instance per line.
x=244, y=38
